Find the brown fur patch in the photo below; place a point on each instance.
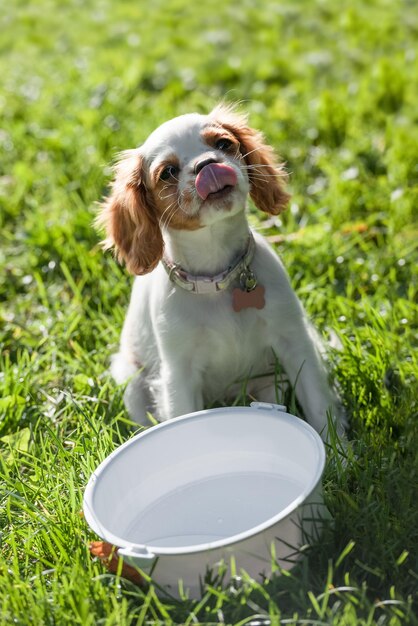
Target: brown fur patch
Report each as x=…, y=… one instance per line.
x=157, y=171
x=130, y=219
x=213, y=133
x=265, y=174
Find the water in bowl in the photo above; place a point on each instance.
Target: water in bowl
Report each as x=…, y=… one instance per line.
x=213, y=509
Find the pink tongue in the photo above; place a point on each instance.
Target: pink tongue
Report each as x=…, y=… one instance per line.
x=214, y=177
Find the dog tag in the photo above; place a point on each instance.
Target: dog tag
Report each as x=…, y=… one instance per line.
x=248, y=299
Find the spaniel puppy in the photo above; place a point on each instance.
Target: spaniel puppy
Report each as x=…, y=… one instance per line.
x=211, y=305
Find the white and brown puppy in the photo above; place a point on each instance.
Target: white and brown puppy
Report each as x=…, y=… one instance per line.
x=212, y=305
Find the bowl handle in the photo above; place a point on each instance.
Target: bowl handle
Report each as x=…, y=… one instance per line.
x=138, y=557
x=267, y=406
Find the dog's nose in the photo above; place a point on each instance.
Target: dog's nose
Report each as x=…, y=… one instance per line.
x=201, y=164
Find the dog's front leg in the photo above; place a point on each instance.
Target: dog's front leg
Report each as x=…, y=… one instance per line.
x=300, y=354
x=179, y=392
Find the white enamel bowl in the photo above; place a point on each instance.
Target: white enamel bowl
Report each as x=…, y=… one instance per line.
x=179, y=498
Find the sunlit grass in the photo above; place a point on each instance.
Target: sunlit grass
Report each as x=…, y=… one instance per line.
x=334, y=87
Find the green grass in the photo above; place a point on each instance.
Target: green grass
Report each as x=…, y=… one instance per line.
x=334, y=86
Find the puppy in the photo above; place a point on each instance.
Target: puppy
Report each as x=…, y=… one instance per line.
x=211, y=305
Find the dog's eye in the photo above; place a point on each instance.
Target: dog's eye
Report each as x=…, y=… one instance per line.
x=223, y=144
x=168, y=172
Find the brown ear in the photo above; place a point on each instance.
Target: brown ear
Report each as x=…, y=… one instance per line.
x=266, y=175
x=129, y=218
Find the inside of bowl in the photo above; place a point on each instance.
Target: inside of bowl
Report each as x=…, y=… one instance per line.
x=205, y=479
x=212, y=509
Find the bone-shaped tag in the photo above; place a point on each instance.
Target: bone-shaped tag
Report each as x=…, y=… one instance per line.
x=248, y=299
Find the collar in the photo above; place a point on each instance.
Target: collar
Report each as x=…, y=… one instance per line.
x=211, y=284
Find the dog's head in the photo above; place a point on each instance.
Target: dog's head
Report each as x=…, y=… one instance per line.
x=191, y=171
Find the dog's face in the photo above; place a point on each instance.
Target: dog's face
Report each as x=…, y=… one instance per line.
x=192, y=171
x=195, y=172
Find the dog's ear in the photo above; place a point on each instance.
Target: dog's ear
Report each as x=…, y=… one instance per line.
x=267, y=177
x=129, y=217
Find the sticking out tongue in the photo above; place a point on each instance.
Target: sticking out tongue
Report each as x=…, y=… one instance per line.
x=214, y=177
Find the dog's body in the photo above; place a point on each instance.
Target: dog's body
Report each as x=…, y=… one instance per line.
x=219, y=309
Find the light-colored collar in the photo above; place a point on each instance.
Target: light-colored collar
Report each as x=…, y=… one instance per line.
x=211, y=284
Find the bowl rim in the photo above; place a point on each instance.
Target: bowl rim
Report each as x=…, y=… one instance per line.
x=103, y=532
